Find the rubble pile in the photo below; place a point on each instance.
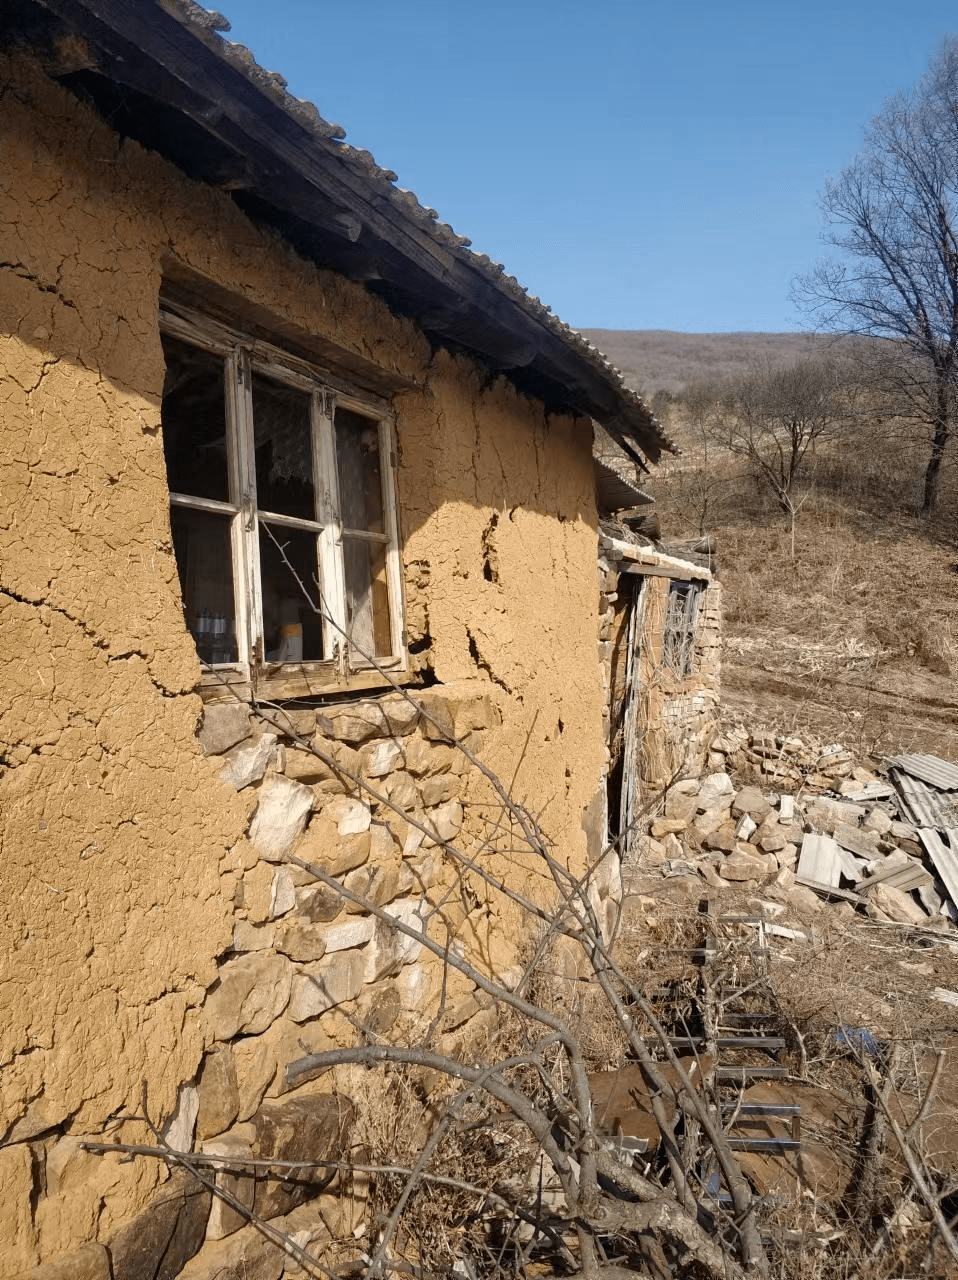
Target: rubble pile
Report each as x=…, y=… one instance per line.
x=789, y=760
x=887, y=846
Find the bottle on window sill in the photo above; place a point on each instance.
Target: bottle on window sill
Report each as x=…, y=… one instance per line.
x=290, y=642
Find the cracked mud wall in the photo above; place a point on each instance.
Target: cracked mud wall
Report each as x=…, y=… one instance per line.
x=115, y=865
x=500, y=531
x=119, y=845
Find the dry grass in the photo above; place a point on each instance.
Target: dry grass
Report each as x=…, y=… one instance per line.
x=846, y=627
x=848, y=972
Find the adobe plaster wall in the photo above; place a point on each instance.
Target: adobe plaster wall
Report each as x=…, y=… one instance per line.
x=125, y=864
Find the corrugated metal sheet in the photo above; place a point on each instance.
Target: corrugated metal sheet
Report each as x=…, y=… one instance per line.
x=924, y=805
x=945, y=857
x=931, y=769
x=615, y=492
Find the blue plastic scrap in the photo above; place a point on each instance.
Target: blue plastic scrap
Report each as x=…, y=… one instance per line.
x=859, y=1040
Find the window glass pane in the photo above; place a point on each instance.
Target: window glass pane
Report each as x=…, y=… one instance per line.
x=367, y=597
x=282, y=438
x=201, y=541
x=360, y=481
x=194, y=421
x=292, y=631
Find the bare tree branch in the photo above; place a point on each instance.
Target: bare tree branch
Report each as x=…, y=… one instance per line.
x=891, y=215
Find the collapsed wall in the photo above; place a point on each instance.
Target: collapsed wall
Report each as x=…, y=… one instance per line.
x=156, y=944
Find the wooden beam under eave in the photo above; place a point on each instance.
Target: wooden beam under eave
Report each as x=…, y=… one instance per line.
x=683, y=573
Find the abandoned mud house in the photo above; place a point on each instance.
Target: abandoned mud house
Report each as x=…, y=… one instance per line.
x=276, y=446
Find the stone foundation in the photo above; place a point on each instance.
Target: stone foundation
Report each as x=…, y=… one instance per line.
x=370, y=792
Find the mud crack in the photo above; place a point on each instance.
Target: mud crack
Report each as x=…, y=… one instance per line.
x=90, y=634
x=483, y=665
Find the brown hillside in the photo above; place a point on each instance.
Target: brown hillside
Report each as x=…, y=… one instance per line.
x=663, y=360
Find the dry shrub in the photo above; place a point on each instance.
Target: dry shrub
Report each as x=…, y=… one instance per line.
x=850, y=972
x=440, y=1224
x=937, y=647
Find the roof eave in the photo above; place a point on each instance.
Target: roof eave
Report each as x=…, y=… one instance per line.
x=227, y=121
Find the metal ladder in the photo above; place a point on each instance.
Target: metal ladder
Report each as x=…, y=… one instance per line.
x=742, y=1033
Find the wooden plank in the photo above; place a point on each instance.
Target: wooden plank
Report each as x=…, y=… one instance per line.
x=819, y=862
x=752, y=1109
x=684, y=573
x=291, y=681
x=748, y=1019
x=651, y=563
x=830, y=890
x=897, y=875
x=945, y=860
x=765, y=1043
x=632, y=726
x=909, y=877
x=394, y=574
x=763, y=1144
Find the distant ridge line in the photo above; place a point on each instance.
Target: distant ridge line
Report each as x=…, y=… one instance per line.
x=668, y=359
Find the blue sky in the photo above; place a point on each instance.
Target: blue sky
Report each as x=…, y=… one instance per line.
x=637, y=165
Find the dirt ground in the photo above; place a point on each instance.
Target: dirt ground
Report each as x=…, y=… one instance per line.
x=894, y=710
x=853, y=638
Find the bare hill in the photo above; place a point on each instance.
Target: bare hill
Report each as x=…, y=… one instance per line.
x=663, y=360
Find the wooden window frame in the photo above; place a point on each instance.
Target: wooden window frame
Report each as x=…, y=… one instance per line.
x=345, y=668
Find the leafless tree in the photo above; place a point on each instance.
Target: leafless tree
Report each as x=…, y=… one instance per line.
x=697, y=487
x=893, y=216
x=612, y=1214
x=774, y=416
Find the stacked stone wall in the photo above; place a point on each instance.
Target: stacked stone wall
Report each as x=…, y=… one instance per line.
x=679, y=717
x=310, y=969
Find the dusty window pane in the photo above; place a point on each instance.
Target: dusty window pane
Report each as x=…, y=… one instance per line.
x=360, y=481
x=282, y=439
x=367, y=597
x=201, y=541
x=194, y=422
x=292, y=631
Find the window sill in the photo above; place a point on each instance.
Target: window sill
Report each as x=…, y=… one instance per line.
x=290, y=681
